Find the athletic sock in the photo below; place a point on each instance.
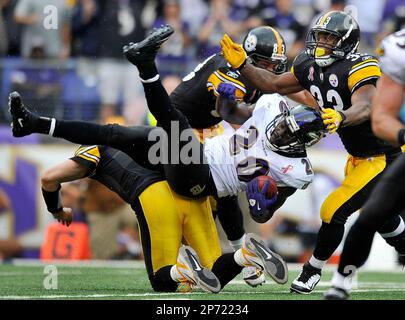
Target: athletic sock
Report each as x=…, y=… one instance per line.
x=316, y=263
x=237, y=244
x=148, y=71
x=329, y=238
x=225, y=268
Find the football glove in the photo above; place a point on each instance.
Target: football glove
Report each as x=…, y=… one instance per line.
x=332, y=119
x=227, y=90
x=233, y=52
x=258, y=201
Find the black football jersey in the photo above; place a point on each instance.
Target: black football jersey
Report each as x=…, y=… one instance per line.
x=117, y=171
x=333, y=86
x=195, y=97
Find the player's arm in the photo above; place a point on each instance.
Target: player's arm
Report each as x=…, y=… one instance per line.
x=282, y=195
x=360, y=110
x=358, y=113
x=262, y=208
x=264, y=80
x=386, y=105
x=51, y=180
x=304, y=97
x=229, y=108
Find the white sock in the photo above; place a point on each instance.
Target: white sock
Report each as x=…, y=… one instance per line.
x=155, y=78
x=239, y=259
x=396, y=232
x=342, y=282
x=174, y=273
x=237, y=244
x=319, y=264
x=52, y=129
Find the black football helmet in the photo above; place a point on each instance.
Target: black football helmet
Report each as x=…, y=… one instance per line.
x=291, y=132
x=345, y=31
x=266, y=44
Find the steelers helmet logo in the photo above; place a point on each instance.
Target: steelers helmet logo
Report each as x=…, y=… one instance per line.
x=333, y=80
x=250, y=43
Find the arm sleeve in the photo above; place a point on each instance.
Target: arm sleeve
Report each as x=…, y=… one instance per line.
x=88, y=156
x=365, y=72
x=226, y=76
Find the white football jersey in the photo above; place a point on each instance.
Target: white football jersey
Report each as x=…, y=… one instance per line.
x=236, y=160
x=392, y=60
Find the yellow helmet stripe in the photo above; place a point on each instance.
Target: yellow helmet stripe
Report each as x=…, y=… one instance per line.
x=279, y=41
x=324, y=17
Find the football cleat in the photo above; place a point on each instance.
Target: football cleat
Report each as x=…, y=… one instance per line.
x=255, y=252
x=307, y=280
x=146, y=50
x=190, y=269
x=23, y=119
x=336, y=293
x=253, y=276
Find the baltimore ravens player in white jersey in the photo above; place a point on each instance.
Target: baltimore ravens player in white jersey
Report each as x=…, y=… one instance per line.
x=387, y=197
x=252, y=151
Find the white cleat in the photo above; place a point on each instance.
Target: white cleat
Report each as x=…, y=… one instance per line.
x=255, y=252
x=189, y=267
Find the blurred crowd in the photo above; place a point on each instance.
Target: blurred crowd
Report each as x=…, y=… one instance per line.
x=101, y=85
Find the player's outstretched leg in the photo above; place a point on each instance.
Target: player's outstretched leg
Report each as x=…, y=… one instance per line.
x=189, y=269
x=255, y=252
x=143, y=55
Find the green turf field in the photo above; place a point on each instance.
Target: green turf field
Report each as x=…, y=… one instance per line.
x=124, y=282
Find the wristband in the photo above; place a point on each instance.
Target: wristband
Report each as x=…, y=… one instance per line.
x=343, y=117
x=242, y=65
x=52, y=200
x=401, y=137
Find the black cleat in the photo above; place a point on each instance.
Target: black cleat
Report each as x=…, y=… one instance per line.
x=146, y=50
x=335, y=293
x=22, y=118
x=307, y=280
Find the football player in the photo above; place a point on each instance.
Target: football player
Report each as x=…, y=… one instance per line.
x=343, y=83
x=163, y=224
x=388, y=196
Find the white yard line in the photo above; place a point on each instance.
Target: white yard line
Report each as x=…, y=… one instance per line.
x=167, y=295
x=139, y=264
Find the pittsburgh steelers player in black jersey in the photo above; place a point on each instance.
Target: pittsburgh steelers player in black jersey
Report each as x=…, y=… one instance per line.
x=388, y=196
x=163, y=224
x=343, y=83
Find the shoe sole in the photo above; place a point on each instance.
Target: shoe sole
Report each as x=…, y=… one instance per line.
x=204, y=277
x=14, y=109
x=299, y=290
x=157, y=37
x=273, y=263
